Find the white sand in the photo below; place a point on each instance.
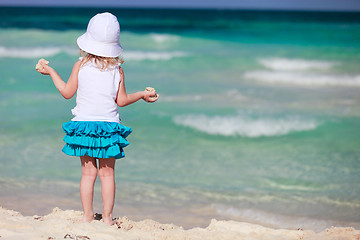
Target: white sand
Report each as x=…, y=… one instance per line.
x=68, y=225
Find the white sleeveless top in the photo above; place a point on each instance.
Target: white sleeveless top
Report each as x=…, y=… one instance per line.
x=96, y=94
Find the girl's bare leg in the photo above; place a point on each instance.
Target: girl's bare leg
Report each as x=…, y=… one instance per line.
x=107, y=178
x=88, y=178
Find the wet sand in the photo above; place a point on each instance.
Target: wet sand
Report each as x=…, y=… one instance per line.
x=60, y=224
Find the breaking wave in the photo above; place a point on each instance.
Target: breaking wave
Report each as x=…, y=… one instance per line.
x=34, y=52
x=300, y=72
x=161, y=38
x=286, y=64
x=245, y=126
x=304, y=79
x=140, y=55
x=37, y=52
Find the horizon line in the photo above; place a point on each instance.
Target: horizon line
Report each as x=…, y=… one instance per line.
x=181, y=8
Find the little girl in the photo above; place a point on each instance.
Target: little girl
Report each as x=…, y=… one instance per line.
x=95, y=131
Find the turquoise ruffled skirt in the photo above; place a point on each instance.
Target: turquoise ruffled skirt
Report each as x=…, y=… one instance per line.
x=95, y=139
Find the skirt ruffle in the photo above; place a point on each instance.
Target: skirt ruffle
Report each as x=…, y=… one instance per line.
x=95, y=139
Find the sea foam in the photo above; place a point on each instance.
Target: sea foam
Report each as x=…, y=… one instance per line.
x=300, y=72
x=245, y=126
x=140, y=55
x=286, y=64
x=161, y=38
x=34, y=52
x=303, y=79
x=37, y=52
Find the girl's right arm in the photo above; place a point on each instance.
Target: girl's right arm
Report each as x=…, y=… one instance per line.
x=67, y=89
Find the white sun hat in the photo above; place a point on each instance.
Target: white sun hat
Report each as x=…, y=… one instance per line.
x=102, y=36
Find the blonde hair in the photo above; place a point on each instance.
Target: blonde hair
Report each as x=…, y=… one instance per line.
x=101, y=62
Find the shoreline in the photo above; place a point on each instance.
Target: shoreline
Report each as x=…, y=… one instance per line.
x=136, y=205
x=67, y=224
x=188, y=216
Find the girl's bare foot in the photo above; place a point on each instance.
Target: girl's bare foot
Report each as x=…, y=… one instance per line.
x=88, y=218
x=108, y=220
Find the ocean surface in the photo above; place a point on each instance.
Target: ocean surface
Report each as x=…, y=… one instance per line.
x=258, y=118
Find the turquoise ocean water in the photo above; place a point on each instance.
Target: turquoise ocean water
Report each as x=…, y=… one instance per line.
x=258, y=119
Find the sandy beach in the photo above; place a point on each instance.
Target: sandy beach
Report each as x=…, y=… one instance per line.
x=67, y=224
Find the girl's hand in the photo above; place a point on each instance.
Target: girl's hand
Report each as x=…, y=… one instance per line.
x=150, y=97
x=46, y=69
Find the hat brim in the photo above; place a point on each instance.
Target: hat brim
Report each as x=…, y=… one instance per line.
x=89, y=45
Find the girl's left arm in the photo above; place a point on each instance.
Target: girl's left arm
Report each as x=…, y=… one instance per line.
x=67, y=89
x=123, y=99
